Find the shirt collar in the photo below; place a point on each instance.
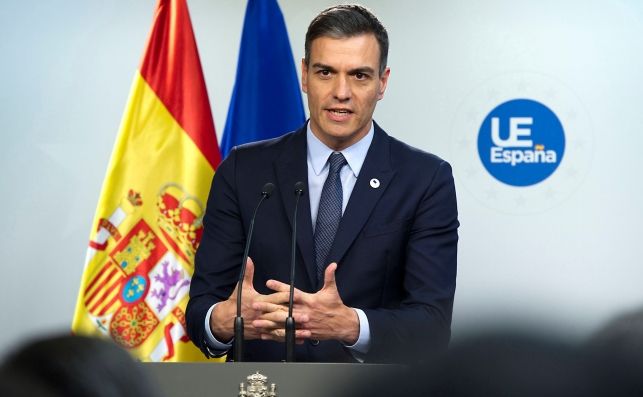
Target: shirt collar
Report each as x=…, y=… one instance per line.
x=355, y=154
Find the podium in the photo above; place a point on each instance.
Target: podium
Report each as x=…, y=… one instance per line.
x=291, y=379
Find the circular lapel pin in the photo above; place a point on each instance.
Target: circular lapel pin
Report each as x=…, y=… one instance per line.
x=375, y=183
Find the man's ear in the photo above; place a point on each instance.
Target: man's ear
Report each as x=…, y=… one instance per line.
x=383, y=83
x=304, y=76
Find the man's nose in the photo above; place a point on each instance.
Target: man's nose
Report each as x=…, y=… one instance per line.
x=342, y=89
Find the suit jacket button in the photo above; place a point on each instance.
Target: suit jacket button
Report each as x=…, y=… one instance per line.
x=314, y=342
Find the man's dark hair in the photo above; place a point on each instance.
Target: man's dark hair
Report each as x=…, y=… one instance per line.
x=344, y=21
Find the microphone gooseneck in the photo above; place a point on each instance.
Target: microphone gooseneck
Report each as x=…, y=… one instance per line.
x=290, y=321
x=266, y=191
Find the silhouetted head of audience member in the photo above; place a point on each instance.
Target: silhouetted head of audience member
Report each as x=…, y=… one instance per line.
x=623, y=334
x=510, y=363
x=75, y=366
x=21, y=385
x=618, y=349
x=500, y=363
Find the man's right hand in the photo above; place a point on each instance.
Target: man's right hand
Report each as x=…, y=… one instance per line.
x=223, y=315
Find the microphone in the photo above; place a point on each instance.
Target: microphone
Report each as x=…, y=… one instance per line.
x=290, y=321
x=266, y=191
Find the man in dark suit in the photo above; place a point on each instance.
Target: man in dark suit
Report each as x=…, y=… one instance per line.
x=377, y=225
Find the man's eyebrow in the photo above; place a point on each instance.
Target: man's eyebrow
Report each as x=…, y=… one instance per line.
x=352, y=72
x=324, y=67
x=363, y=70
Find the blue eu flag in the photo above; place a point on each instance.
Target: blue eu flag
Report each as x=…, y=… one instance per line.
x=266, y=101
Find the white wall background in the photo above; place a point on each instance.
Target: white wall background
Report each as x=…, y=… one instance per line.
x=568, y=258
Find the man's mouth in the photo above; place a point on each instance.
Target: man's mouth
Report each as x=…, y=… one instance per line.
x=340, y=111
x=339, y=115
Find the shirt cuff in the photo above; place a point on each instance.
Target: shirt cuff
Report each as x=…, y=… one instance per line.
x=363, y=344
x=213, y=343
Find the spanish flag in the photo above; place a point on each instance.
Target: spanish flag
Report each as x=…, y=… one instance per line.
x=148, y=223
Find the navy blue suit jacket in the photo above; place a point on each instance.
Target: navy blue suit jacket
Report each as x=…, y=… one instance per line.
x=396, y=245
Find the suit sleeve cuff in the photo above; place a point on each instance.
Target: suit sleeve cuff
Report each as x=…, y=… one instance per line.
x=217, y=347
x=363, y=344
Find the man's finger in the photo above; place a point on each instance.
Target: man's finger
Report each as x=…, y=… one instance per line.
x=329, y=276
x=280, y=335
x=276, y=298
x=247, y=278
x=265, y=326
x=278, y=320
x=278, y=286
x=250, y=272
x=275, y=285
x=268, y=307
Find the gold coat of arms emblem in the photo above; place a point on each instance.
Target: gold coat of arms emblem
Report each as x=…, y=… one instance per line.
x=257, y=386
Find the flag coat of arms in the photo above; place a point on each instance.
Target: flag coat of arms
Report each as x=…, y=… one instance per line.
x=148, y=223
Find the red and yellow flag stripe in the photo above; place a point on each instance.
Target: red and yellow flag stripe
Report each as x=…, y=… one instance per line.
x=148, y=221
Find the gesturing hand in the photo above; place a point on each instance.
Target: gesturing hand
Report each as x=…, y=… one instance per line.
x=322, y=315
x=222, y=319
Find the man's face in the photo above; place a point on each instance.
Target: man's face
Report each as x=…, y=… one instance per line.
x=343, y=85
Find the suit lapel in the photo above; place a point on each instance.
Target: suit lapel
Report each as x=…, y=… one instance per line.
x=290, y=168
x=365, y=195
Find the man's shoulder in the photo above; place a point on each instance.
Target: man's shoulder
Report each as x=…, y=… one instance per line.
x=267, y=150
x=269, y=145
x=403, y=155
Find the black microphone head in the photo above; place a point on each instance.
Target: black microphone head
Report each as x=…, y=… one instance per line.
x=267, y=189
x=299, y=188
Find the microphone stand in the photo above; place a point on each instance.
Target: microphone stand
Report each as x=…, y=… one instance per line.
x=238, y=320
x=290, y=321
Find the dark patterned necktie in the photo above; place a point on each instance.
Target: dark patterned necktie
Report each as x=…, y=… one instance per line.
x=329, y=213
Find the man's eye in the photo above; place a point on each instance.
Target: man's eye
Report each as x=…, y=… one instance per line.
x=324, y=73
x=360, y=76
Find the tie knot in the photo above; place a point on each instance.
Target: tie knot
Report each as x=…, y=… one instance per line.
x=336, y=161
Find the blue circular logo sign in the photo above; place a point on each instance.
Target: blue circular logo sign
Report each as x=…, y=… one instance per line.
x=134, y=289
x=521, y=142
